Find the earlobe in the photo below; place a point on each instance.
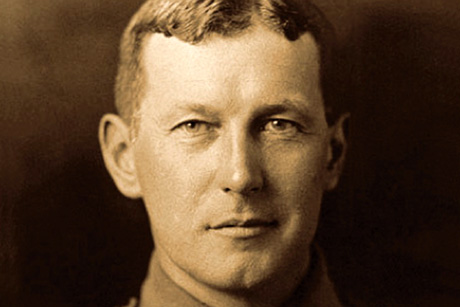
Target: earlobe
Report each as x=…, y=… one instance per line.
x=117, y=151
x=336, y=151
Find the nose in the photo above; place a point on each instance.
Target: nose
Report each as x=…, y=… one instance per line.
x=240, y=170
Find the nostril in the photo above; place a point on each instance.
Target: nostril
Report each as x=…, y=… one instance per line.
x=255, y=189
x=244, y=191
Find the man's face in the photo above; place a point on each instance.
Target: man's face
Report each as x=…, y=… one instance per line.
x=231, y=155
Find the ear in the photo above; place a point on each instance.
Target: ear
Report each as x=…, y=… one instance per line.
x=117, y=151
x=336, y=151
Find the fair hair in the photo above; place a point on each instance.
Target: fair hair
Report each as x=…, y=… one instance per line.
x=192, y=21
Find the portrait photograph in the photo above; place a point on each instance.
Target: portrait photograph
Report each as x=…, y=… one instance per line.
x=229, y=153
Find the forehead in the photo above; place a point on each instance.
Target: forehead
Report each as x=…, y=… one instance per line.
x=256, y=61
x=256, y=44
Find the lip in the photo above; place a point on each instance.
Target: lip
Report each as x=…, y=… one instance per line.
x=242, y=229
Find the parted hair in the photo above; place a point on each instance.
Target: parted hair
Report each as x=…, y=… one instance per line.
x=192, y=21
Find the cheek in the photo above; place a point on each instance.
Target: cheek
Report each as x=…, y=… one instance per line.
x=296, y=177
x=171, y=182
x=160, y=185
x=297, y=168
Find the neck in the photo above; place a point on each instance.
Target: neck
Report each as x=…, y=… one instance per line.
x=274, y=292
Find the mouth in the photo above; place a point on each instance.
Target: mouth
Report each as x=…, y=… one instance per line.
x=251, y=223
x=242, y=229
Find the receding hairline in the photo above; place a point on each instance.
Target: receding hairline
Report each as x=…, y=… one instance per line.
x=159, y=54
x=131, y=78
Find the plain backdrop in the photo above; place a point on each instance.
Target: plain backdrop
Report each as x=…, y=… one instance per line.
x=391, y=231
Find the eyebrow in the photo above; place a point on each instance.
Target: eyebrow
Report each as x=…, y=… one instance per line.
x=284, y=107
x=197, y=108
x=210, y=111
x=205, y=110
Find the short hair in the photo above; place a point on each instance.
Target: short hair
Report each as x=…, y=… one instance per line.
x=192, y=21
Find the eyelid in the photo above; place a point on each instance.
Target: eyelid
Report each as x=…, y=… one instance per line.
x=192, y=120
x=281, y=119
x=201, y=128
x=289, y=129
x=185, y=122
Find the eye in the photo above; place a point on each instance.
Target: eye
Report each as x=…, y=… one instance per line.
x=194, y=127
x=280, y=126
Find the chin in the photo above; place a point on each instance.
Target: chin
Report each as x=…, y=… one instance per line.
x=244, y=282
x=241, y=274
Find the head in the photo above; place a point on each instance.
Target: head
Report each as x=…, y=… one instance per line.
x=226, y=132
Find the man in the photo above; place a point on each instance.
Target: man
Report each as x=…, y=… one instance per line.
x=225, y=133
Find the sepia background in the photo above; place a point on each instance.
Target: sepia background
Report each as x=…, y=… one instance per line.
x=391, y=232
